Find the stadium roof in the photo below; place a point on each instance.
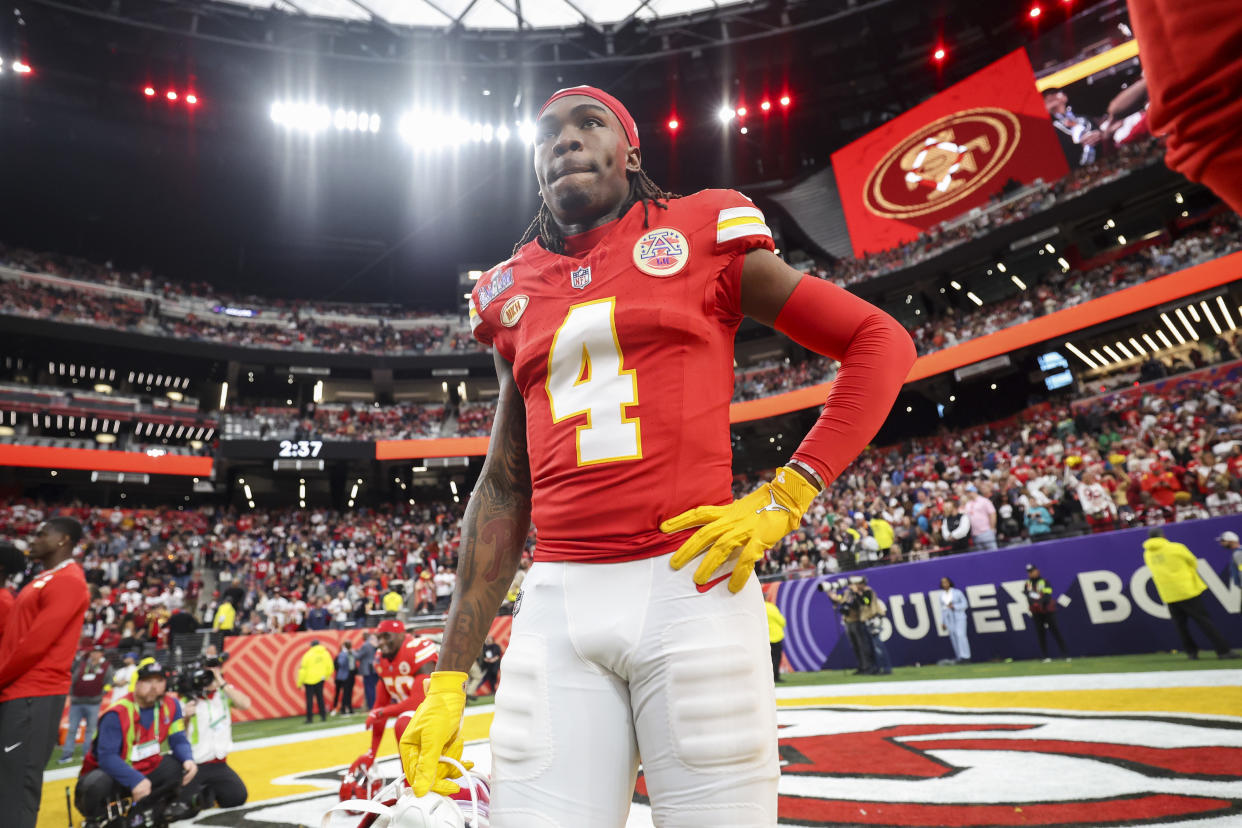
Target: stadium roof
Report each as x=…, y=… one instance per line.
x=492, y=14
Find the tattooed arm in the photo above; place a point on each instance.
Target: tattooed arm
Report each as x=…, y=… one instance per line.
x=493, y=530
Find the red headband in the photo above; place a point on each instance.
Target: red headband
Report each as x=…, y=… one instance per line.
x=615, y=106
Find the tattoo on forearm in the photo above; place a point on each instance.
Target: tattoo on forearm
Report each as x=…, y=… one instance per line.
x=493, y=534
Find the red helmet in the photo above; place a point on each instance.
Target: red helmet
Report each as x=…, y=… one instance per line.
x=390, y=625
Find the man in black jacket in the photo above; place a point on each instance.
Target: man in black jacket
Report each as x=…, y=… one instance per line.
x=1043, y=611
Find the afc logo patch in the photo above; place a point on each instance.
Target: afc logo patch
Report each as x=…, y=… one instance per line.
x=662, y=252
x=580, y=278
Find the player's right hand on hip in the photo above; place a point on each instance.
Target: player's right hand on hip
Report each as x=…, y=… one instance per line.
x=435, y=732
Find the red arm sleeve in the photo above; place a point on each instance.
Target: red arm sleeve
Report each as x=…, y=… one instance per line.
x=876, y=355
x=64, y=601
x=381, y=695
x=1192, y=59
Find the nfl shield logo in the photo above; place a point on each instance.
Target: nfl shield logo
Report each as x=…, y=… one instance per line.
x=580, y=278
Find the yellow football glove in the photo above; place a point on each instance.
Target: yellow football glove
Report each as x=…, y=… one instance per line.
x=435, y=732
x=753, y=524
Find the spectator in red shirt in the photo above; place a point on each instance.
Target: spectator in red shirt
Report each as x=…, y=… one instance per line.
x=12, y=562
x=36, y=656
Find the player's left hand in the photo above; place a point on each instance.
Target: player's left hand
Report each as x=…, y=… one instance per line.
x=752, y=525
x=376, y=716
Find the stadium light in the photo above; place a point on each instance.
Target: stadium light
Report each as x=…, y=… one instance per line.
x=1181, y=340
x=1121, y=347
x=304, y=117
x=1021, y=284
x=741, y=111
x=1151, y=343
x=766, y=106
x=1224, y=310
x=1112, y=354
x=938, y=55
x=725, y=114
x=1189, y=327
x=1211, y=319
x=673, y=124
x=224, y=394
x=1165, y=339
x=21, y=67
x=191, y=99
x=744, y=130
x=785, y=100
x=971, y=296
x=1137, y=347
x=171, y=94
x=1194, y=313
x=1100, y=358
x=149, y=91
x=1035, y=12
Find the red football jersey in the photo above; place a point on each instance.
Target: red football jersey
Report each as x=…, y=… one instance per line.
x=399, y=677
x=624, y=358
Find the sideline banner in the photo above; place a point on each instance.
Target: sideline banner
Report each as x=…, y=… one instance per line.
x=947, y=155
x=1108, y=603
x=265, y=667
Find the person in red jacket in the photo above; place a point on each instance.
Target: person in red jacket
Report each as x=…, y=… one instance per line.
x=1192, y=60
x=12, y=562
x=36, y=655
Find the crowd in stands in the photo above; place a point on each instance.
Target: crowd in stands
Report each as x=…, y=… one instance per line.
x=1060, y=290
x=475, y=419
x=299, y=324
x=157, y=572
x=338, y=421
x=1137, y=457
x=1003, y=210
x=1165, y=452
x=72, y=267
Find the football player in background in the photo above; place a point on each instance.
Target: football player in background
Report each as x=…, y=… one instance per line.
x=404, y=664
x=612, y=327
x=1192, y=62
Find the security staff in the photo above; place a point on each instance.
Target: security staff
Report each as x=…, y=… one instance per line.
x=1043, y=609
x=210, y=730
x=1175, y=571
x=128, y=758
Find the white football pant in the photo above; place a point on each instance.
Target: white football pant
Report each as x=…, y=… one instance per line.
x=612, y=662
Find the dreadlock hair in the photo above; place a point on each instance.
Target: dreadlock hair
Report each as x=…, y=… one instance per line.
x=642, y=189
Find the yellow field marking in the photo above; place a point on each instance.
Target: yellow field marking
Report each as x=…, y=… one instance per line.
x=258, y=766
x=1216, y=701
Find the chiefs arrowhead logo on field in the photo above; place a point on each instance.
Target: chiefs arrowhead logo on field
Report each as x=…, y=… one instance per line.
x=942, y=163
x=939, y=768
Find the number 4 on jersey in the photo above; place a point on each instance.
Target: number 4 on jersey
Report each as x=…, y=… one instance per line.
x=587, y=375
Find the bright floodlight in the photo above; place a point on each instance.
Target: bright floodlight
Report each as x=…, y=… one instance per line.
x=191, y=99
x=171, y=95
x=765, y=106
x=21, y=67
x=375, y=122
x=741, y=112
x=784, y=100
x=725, y=114
x=502, y=134
x=526, y=132
x=149, y=91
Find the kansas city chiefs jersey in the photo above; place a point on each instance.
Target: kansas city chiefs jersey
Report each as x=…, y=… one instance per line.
x=624, y=357
x=398, y=675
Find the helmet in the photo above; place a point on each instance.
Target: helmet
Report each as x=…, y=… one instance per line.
x=395, y=806
x=390, y=625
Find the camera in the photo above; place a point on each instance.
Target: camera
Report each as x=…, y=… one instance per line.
x=191, y=679
x=216, y=661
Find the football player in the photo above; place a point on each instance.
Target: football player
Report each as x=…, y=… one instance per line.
x=405, y=662
x=612, y=326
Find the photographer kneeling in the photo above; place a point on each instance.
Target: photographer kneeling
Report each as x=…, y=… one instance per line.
x=209, y=701
x=127, y=759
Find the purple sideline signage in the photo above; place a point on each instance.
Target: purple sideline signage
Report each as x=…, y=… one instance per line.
x=1108, y=603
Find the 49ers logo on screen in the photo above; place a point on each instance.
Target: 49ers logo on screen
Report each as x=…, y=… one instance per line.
x=910, y=767
x=942, y=163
